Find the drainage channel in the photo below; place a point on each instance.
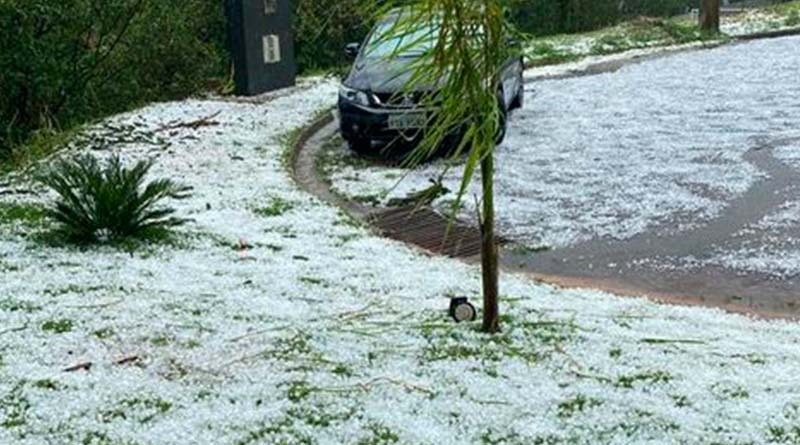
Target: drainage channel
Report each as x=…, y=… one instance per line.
x=417, y=225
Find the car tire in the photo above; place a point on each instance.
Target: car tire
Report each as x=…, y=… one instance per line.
x=502, y=127
x=360, y=145
x=519, y=99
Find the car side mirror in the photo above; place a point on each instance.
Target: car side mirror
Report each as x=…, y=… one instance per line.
x=352, y=50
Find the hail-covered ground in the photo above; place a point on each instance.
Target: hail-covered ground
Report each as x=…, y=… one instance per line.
x=647, y=33
x=276, y=319
x=658, y=145
x=754, y=20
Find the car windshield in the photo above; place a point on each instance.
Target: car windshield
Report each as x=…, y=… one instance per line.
x=390, y=39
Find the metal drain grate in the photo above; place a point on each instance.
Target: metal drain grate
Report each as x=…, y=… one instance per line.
x=428, y=229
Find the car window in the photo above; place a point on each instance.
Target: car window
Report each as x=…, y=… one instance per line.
x=389, y=39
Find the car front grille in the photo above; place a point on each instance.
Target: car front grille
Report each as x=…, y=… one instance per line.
x=400, y=100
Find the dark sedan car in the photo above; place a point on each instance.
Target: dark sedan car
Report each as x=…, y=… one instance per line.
x=372, y=107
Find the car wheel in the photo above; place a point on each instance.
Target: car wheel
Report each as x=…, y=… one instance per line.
x=519, y=100
x=502, y=125
x=360, y=145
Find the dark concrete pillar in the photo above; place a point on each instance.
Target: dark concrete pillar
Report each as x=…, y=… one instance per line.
x=262, y=45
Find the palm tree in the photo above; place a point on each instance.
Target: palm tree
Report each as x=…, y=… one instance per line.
x=459, y=76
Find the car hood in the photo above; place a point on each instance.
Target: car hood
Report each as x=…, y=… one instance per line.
x=382, y=76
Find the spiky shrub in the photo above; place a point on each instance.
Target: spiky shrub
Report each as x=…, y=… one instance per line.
x=99, y=203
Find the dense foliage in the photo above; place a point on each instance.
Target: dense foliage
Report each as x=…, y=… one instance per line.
x=109, y=202
x=64, y=62
x=322, y=28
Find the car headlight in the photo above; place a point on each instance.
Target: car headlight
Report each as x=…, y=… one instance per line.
x=354, y=96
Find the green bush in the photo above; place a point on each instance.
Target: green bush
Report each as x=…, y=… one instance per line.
x=658, y=8
x=323, y=28
x=547, y=17
x=64, y=62
x=110, y=202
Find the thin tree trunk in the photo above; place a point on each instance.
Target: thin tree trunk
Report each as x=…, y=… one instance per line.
x=491, y=322
x=709, y=15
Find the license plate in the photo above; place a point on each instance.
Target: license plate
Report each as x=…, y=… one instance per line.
x=406, y=121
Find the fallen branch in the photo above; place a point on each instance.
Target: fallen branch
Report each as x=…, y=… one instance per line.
x=10, y=191
x=365, y=386
x=207, y=121
x=421, y=198
x=16, y=329
x=126, y=360
x=407, y=385
x=98, y=305
x=489, y=402
x=87, y=366
x=663, y=341
x=196, y=326
x=258, y=332
x=248, y=357
x=599, y=378
x=356, y=313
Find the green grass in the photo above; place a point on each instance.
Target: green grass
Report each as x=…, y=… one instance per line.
x=630, y=381
x=298, y=391
x=10, y=304
x=786, y=9
x=729, y=391
x=28, y=215
x=160, y=341
x=545, y=53
x=576, y=405
x=46, y=384
x=146, y=243
x=103, y=334
x=289, y=139
x=141, y=410
x=276, y=207
x=313, y=281
x=332, y=158
x=41, y=144
x=281, y=431
x=793, y=18
x=14, y=408
x=58, y=326
x=634, y=34
x=379, y=434
x=525, y=338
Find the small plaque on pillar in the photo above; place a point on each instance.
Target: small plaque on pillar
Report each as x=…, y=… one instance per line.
x=272, y=49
